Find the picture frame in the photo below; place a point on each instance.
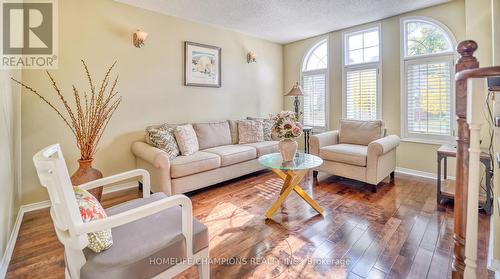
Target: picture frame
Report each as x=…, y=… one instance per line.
x=202, y=65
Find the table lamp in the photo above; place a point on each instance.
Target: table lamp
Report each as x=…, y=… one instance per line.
x=296, y=91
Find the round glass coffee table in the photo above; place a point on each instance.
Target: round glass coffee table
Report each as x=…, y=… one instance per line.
x=292, y=173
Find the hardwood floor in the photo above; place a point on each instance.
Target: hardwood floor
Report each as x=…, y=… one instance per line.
x=397, y=232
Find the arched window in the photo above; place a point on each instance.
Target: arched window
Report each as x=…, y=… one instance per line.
x=314, y=84
x=428, y=60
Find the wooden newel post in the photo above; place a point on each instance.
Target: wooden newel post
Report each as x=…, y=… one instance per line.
x=466, y=61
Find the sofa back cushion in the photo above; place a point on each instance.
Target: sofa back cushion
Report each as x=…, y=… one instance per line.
x=212, y=134
x=360, y=132
x=233, y=127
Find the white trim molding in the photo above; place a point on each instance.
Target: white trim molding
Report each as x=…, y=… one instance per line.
x=418, y=173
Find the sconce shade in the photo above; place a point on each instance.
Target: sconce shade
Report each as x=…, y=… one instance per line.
x=295, y=91
x=139, y=38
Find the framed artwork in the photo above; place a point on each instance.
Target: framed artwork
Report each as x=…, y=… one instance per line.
x=202, y=65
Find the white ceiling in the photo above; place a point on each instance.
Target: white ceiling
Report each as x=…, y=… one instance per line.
x=283, y=21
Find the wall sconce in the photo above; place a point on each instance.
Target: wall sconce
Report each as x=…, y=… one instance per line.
x=139, y=38
x=251, y=57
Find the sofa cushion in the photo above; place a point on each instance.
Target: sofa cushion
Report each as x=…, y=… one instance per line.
x=233, y=127
x=163, y=138
x=137, y=243
x=250, y=131
x=232, y=154
x=351, y=154
x=264, y=147
x=212, y=134
x=360, y=132
x=267, y=127
x=186, y=139
x=197, y=162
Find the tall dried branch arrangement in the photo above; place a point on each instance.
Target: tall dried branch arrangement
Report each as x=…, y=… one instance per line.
x=90, y=114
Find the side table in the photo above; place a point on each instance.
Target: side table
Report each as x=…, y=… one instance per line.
x=307, y=130
x=485, y=199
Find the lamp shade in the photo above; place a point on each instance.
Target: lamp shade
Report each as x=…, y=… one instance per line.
x=295, y=91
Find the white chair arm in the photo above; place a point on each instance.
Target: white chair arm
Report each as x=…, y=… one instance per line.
x=324, y=139
x=156, y=157
x=383, y=145
x=145, y=211
x=146, y=185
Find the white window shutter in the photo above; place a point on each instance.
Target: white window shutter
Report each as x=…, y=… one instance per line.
x=361, y=94
x=314, y=86
x=429, y=98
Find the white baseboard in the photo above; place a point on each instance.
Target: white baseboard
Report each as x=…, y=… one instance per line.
x=40, y=205
x=12, y=242
x=418, y=173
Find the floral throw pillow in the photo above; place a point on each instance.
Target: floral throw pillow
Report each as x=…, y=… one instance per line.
x=91, y=209
x=250, y=131
x=267, y=126
x=163, y=138
x=186, y=139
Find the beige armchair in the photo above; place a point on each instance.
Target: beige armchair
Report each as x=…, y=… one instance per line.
x=359, y=150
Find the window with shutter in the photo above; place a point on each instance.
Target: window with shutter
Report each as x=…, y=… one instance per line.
x=361, y=74
x=428, y=81
x=314, y=85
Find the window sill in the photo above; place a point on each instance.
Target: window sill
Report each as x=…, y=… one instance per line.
x=427, y=141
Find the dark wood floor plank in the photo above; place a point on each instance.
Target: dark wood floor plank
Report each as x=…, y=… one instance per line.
x=397, y=232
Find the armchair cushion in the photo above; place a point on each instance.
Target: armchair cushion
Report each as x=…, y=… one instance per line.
x=360, y=132
x=142, y=249
x=351, y=154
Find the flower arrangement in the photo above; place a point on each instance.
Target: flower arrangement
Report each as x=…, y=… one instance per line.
x=89, y=115
x=286, y=125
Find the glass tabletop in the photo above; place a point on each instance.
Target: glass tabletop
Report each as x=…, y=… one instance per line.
x=301, y=161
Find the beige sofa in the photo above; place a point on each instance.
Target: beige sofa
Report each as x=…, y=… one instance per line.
x=359, y=150
x=220, y=158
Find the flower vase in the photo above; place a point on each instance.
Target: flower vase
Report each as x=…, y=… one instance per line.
x=288, y=148
x=87, y=173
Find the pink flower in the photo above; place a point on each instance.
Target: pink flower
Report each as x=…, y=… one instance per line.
x=296, y=131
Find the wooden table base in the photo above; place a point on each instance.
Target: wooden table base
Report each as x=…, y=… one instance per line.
x=291, y=181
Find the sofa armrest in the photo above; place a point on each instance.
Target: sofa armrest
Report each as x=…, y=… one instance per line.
x=324, y=139
x=383, y=145
x=156, y=157
x=157, y=163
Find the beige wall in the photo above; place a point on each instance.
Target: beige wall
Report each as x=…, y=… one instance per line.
x=9, y=133
x=417, y=156
x=151, y=81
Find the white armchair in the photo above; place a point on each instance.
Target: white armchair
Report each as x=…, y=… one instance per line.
x=358, y=150
x=144, y=230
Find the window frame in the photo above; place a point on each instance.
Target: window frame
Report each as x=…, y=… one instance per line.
x=405, y=61
x=361, y=66
x=326, y=72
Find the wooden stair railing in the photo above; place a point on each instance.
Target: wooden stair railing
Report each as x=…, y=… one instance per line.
x=468, y=150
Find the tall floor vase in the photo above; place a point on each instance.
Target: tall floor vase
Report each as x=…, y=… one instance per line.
x=86, y=173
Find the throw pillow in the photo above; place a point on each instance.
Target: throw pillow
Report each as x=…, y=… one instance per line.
x=186, y=139
x=250, y=131
x=90, y=210
x=267, y=125
x=163, y=138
